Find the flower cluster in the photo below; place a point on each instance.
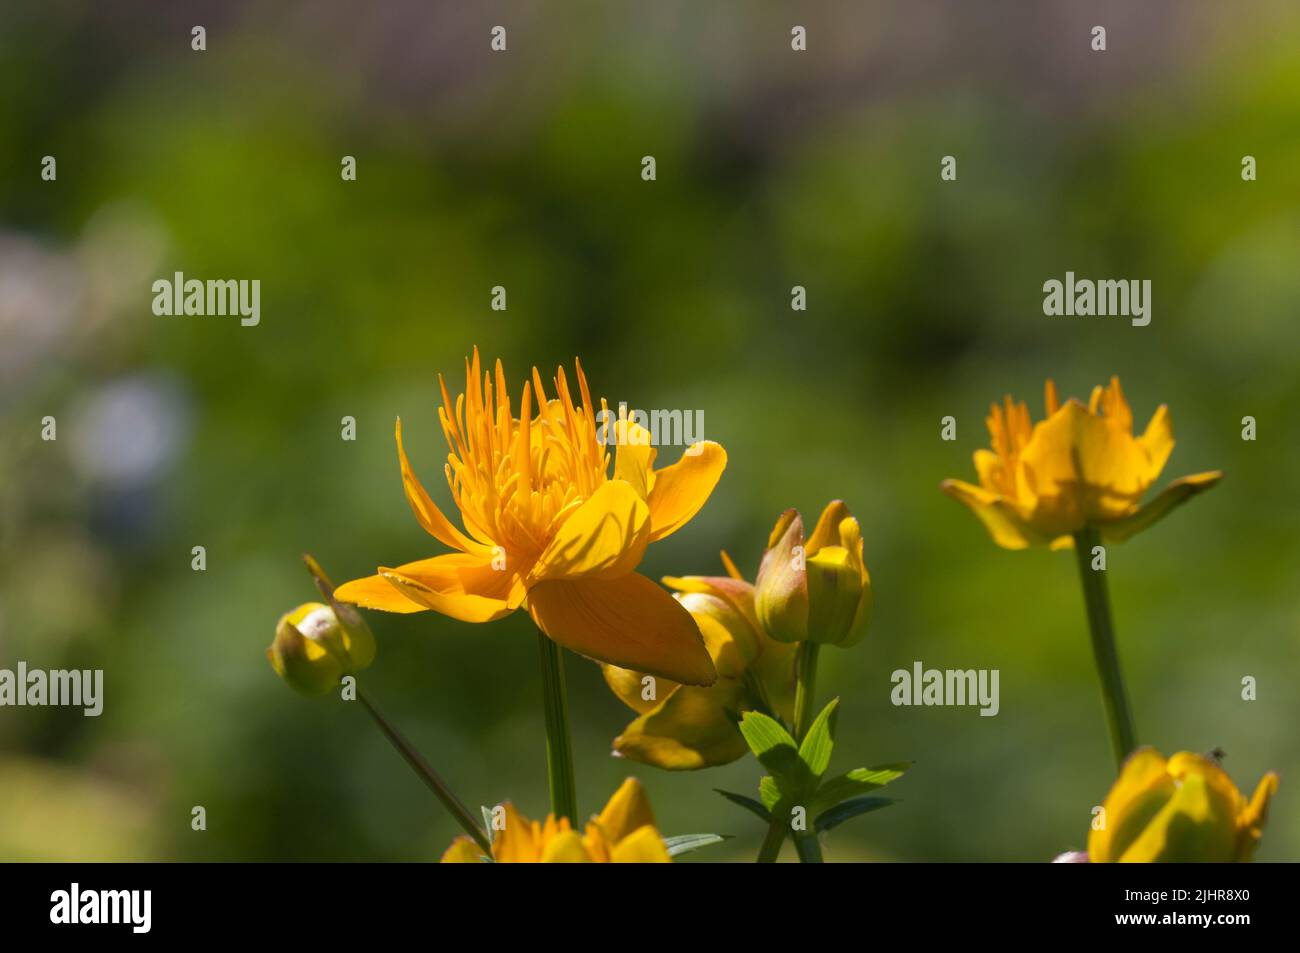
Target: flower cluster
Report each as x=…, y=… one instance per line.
x=721, y=667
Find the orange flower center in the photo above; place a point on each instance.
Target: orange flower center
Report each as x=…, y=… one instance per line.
x=517, y=479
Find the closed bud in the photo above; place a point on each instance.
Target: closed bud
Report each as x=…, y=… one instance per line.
x=728, y=635
x=781, y=589
x=1185, y=809
x=314, y=647
x=817, y=588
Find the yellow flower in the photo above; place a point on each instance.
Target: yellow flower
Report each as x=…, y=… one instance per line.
x=1079, y=466
x=1180, y=810
x=548, y=528
x=681, y=726
x=623, y=833
x=818, y=589
x=314, y=647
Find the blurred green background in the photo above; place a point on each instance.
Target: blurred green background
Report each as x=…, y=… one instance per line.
x=522, y=169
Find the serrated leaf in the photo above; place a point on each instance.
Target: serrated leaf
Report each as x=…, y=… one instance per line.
x=748, y=803
x=777, y=752
x=815, y=752
x=854, y=784
x=769, y=792
x=848, y=809
x=685, y=843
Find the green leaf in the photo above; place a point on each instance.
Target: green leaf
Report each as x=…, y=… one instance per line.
x=748, y=803
x=769, y=792
x=855, y=783
x=815, y=752
x=685, y=843
x=848, y=809
x=777, y=752
x=771, y=744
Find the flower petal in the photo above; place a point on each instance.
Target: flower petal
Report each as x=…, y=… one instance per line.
x=1160, y=506
x=1196, y=824
x=1079, y=467
x=1157, y=442
x=427, y=512
x=604, y=538
x=459, y=585
x=1250, y=822
x=1001, y=520
x=679, y=491
x=835, y=593
x=630, y=687
x=781, y=587
x=565, y=848
x=738, y=592
x=629, y=622
x=643, y=847
x=634, y=457
x=463, y=850
x=1142, y=789
x=517, y=841
x=735, y=592
x=690, y=729
x=729, y=637
x=628, y=810
x=827, y=530
x=851, y=538
x=376, y=592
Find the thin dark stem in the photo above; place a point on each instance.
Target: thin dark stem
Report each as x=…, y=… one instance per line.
x=430, y=777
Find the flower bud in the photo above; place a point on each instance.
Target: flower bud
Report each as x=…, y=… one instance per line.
x=728, y=636
x=816, y=589
x=315, y=647
x=1183, y=810
x=781, y=588
x=683, y=727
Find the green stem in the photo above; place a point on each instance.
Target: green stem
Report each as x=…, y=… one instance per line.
x=809, y=848
x=771, y=848
x=1119, y=716
x=810, y=851
x=559, y=744
x=805, y=691
x=430, y=777
x=805, y=688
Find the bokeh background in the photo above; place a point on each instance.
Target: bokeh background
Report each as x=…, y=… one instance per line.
x=522, y=169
